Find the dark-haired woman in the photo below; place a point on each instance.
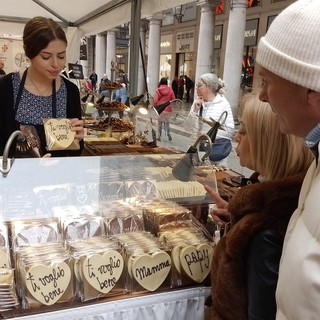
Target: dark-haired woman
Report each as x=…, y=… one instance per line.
x=26, y=98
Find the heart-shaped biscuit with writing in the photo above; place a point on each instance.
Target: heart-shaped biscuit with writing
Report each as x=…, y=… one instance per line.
x=196, y=261
x=103, y=271
x=58, y=133
x=150, y=271
x=47, y=284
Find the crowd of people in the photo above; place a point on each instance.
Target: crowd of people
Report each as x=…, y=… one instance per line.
x=182, y=86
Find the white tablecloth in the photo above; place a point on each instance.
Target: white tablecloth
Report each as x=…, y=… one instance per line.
x=186, y=304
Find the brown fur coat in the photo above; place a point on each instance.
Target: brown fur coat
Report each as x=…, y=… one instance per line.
x=254, y=208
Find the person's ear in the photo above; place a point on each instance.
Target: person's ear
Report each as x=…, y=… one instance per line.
x=314, y=98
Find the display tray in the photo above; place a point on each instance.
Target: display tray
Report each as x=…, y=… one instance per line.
x=105, y=127
x=116, y=125
x=101, y=149
x=111, y=106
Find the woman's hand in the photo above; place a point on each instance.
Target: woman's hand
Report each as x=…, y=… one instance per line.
x=197, y=105
x=76, y=125
x=220, y=213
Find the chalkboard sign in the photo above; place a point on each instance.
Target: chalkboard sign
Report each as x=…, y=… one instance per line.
x=75, y=71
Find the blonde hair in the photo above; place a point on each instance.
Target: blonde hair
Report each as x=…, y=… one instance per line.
x=274, y=154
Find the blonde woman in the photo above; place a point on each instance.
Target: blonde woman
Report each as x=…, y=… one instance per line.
x=246, y=260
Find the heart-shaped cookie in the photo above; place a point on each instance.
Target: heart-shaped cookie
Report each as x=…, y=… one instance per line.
x=58, y=133
x=150, y=271
x=196, y=261
x=82, y=229
x=103, y=271
x=175, y=256
x=47, y=284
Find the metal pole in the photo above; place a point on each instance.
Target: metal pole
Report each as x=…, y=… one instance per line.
x=134, y=47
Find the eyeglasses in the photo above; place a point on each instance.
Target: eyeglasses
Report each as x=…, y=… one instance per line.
x=200, y=85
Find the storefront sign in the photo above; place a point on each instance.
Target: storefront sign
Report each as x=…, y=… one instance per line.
x=251, y=33
x=217, y=37
x=165, y=44
x=185, y=41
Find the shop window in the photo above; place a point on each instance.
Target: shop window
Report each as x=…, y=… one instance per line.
x=248, y=64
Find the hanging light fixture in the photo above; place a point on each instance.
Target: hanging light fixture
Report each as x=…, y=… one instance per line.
x=179, y=11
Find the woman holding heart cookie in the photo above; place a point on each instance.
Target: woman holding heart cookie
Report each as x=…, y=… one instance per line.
x=39, y=93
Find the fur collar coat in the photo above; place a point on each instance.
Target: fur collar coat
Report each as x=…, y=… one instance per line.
x=254, y=208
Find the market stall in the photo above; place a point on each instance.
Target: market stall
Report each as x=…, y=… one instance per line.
x=58, y=203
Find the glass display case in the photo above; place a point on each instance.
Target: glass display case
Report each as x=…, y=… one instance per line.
x=34, y=186
x=55, y=192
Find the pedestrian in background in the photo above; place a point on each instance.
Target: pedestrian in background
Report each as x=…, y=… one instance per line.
x=121, y=95
x=174, y=86
x=180, y=87
x=211, y=103
x=94, y=79
x=162, y=95
x=189, y=84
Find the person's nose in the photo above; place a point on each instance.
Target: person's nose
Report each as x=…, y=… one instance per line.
x=237, y=137
x=263, y=96
x=55, y=62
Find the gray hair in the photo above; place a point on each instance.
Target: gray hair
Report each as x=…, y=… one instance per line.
x=213, y=82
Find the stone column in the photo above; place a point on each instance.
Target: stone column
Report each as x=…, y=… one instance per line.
x=206, y=39
x=111, y=54
x=154, y=52
x=100, y=58
x=234, y=52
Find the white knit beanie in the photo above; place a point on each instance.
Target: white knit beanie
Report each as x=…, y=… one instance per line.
x=291, y=47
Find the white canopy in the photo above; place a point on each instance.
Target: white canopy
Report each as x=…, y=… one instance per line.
x=88, y=16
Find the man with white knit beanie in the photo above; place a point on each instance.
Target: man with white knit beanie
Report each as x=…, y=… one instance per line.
x=289, y=57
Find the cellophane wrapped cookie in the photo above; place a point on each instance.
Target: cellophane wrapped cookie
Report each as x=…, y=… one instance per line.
x=191, y=252
x=44, y=270
x=161, y=214
x=148, y=266
x=120, y=217
x=98, y=268
x=8, y=296
x=59, y=135
x=45, y=275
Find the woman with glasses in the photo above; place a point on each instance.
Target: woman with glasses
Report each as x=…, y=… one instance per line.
x=212, y=104
x=246, y=260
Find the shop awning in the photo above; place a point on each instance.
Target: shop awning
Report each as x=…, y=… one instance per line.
x=88, y=16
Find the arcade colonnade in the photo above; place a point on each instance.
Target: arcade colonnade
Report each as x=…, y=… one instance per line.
x=105, y=49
